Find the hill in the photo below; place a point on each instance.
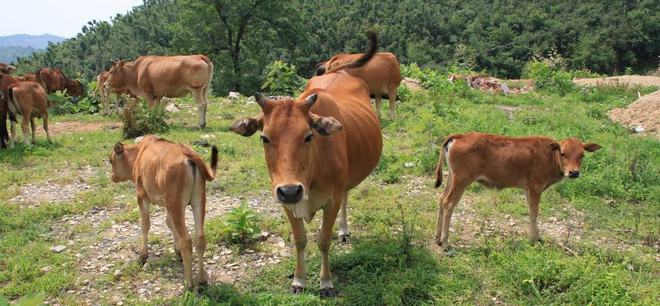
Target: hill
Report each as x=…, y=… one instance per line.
x=21, y=45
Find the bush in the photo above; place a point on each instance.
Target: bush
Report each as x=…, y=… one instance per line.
x=140, y=119
x=549, y=77
x=241, y=225
x=88, y=104
x=281, y=79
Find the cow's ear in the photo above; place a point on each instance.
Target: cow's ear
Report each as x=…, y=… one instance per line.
x=325, y=125
x=246, y=126
x=554, y=146
x=119, y=149
x=591, y=147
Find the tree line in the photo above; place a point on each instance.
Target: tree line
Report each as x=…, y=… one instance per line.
x=242, y=37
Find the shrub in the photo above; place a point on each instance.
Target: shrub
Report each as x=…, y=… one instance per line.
x=549, y=77
x=140, y=120
x=281, y=79
x=241, y=224
x=87, y=104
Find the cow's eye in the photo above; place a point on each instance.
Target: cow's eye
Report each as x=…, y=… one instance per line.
x=309, y=138
x=264, y=139
x=562, y=154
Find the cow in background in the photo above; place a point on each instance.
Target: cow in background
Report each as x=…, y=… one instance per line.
x=29, y=100
x=382, y=74
x=54, y=79
x=155, y=77
x=105, y=93
x=529, y=163
x=6, y=68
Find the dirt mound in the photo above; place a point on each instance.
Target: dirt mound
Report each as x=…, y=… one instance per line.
x=643, y=115
x=624, y=80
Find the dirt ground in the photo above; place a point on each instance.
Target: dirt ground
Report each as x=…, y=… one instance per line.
x=642, y=116
x=624, y=80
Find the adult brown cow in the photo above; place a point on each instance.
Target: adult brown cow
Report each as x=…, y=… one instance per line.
x=6, y=68
x=6, y=80
x=155, y=77
x=318, y=147
x=29, y=100
x=382, y=74
x=530, y=163
x=105, y=93
x=173, y=176
x=54, y=79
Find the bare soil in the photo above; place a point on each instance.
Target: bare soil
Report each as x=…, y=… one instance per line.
x=68, y=127
x=642, y=116
x=624, y=80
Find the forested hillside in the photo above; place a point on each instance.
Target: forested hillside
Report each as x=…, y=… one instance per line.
x=242, y=37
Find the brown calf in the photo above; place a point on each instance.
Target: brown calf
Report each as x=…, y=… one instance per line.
x=318, y=147
x=54, y=79
x=382, y=74
x=173, y=176
x=530, y=163
x=29, y=100
x=105, y=93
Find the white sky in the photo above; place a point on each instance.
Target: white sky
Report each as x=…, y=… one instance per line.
x=58, y=17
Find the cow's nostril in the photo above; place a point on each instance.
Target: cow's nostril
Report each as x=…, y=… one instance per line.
x=290, y=194
x=574, y=174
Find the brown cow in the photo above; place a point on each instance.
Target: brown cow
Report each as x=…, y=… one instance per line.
x=6, y=80
x=530, y=163
x=6, y=68
x=382, y=74
x=155, y=77
x=29, y=100
x=105, y=93
x=54, y=79
x=318, y=147
x=173, y=176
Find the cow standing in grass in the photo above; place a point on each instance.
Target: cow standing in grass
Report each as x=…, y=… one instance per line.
x=318, y=147
x=173, y=176
x=29, y=100
x=155, y=77
x=382, y=74
x=530, y=163
x=54, y=80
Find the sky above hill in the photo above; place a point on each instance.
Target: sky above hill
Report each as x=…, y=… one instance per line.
x=58, y=17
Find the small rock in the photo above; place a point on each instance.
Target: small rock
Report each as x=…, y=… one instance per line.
x=45, y=269
x=117, y=272
x=171, y=108
x=639, y=129
x=58, y=248
x=234, y=95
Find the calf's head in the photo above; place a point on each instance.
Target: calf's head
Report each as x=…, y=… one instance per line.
x=289, y=132
x=118, y=75
x=571, y=152
x=122, y=159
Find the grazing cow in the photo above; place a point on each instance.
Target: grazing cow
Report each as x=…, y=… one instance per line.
x=105, y=93
x=6, y=80
x=317, y=148
x=54, y=79
x=29, y=100
x=382, y=74
x=155, y=77
x=6, y=68
x=530, y=163
x=173, y=176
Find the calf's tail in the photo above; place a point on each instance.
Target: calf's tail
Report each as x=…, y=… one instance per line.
x=441, y=161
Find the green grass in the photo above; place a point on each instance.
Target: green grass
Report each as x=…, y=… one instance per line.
x=392, y=259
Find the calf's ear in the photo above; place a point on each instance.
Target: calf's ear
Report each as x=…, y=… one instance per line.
x=591, y=147
x=246, y=127
x=325, y=125
x=554, y=146
x=119, y=148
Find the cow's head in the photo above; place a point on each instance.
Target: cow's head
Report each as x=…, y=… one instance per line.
x=571, y=152
x=289, y=132
x=320, y=68
x=122, y=159
x=74, y=88
x=6, y=68
x=118, y=75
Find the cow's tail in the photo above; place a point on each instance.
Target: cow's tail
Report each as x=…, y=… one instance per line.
x=207, y=172
x=441, y=160
x=371, y=51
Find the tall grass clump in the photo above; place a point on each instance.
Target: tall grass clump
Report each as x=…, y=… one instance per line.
x=140, y=119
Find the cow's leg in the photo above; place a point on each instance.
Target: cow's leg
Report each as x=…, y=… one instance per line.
x=300, y=240
x=438, y=227
x=329, y=216
x=198, y=95
x=145, y=225
x=12, y=129
x=198, y=205
x=451, y=199
x=344, y=234
x=177, y=250
x=533, y=198
x=378, y=101
x=32, y=127
x=26, y=128
x=45, y=121
x=177, y=213
x=392, y=96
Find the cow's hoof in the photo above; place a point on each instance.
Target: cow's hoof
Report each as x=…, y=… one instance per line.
x=345, y=238
x=296, y=289
x=142, y=259
x=328, y=292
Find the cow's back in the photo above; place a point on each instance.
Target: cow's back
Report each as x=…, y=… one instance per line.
x=173, y=76
x=380, y=73
x=346, y=98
